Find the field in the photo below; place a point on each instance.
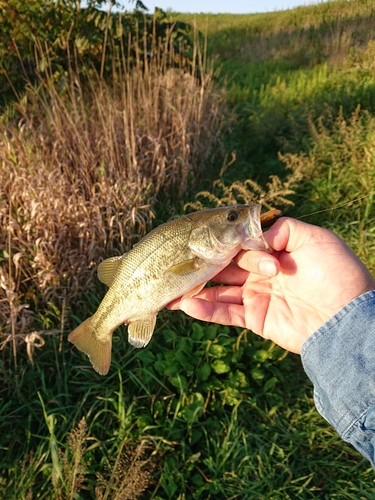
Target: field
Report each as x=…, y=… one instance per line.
x=99, y=142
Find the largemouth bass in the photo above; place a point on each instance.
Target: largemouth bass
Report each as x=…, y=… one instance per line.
x=175, y=259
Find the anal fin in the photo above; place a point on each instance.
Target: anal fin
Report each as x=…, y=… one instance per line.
x=140, y=332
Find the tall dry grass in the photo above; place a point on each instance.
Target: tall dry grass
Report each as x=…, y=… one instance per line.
x=81, y=166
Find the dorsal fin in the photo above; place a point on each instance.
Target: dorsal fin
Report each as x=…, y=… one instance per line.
x=107, y=269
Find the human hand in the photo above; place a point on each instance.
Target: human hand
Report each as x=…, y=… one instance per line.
x=288, y=295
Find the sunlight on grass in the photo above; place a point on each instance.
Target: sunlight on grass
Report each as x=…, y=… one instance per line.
x=89, y=156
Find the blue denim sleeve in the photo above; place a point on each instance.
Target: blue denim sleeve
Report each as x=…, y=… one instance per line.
x=339, y=359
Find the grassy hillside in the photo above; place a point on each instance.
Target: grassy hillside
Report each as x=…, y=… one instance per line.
x=282, y=68
x=301, y=84
x=87, y=159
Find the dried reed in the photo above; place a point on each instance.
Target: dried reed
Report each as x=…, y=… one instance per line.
x=81, y=166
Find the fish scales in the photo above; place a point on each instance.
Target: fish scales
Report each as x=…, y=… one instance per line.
x=141, y=274
x=175, y=259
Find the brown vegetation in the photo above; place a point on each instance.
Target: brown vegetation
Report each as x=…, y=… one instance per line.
x=81, y=167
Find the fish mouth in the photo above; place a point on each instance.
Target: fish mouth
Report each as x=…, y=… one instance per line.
x=253, y=229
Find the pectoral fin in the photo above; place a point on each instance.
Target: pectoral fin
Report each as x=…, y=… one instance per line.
x=140, y=332
x=187, y=266
x=107, y=269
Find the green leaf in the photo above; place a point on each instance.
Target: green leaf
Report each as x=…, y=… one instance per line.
x=198, y=332
x=144, y=420
x=262, y=355
x=220, y=366
x=196, y=436
x=197, y=479
x=185, y=344
x=204, y=371
x=168, y=484
x=210, y=332
x=213, y=383
x=217, y=351
x=184, y=362
x=238, y=379
x=230, y=396
x=194, y=409
x=170, y=335
x=160, y=367
x=270, y=384
x=146, y=356
x=171, y=369
x=257, y=374
x=180, y=382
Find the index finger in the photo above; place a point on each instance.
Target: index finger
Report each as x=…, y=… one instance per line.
x=231, y=275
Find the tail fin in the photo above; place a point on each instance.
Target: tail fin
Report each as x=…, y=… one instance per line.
x=98, y=351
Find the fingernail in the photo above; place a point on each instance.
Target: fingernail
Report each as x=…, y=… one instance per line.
x=267, y=267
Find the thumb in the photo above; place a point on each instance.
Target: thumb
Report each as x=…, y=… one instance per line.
x=286, y=234
x=291, y=234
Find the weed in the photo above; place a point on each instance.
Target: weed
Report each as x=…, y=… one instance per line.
x=250, y=192
x=81, y=169
x=339, y=167
x=131, y=476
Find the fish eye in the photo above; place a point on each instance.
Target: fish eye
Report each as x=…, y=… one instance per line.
x=232, y=215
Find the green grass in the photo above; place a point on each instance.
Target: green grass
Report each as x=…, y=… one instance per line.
x=207, y=411
x=215, y=414
x=281, y=68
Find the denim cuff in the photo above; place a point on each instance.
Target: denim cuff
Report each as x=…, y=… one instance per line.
x=339, y=359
